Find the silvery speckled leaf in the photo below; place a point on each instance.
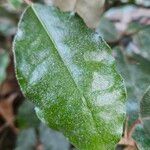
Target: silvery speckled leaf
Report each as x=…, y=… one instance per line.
x=68, y=72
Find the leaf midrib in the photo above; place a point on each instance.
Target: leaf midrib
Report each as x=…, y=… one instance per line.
x=83, y=96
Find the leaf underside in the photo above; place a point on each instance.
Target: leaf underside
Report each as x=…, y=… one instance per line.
x=68, y=72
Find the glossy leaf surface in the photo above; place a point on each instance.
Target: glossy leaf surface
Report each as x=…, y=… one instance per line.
x=67, y=70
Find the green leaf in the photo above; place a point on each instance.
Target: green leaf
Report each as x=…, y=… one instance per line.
x=135, y=71
x=49, y=139
x=23, y=119
x=7, y=26
x=26, y=140
x=7, y=23
x=145, y=111
x=52, y=140
x=4, y=60
x=67, y=70
x=142, y=42
x=31, y=130
x=134, y=27
x=16, y=3
x=107, y=30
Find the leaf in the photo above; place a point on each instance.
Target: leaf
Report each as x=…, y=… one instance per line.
x=145, y=111
x=52, y=140
x=142, y=42
x=26, y=140
x=16, y=3
x=134, y=27
x=23, y=119
x=68, y=72
x=129, y=67
x=135, y=71
x=90, y=11
x=7, y=21
x=49, y=139
x=30, y=126
x=107, y=30
x=7, y=26
x=4, y=60
x=7, y=112
x=65, y=5
x=125, y=17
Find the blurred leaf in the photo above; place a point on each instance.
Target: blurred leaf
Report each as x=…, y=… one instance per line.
x=6, y=109
x=16, y=3
x=65, y=5
x=136, y=72
x=124, y=16
x=4, y=60
x=48, y=139
x=143, y=140
x=107, y=30
x=68, y=71
x=121, y=16
x=4, y=12
x=145, y=111
x=52, y=140
x=90, y=11
x=26, y=140
x=142, y=42
x=30, y=124
x=26, y=116
x=145, y=3
x=7, y=22
x=7, y=26
x=134, y=27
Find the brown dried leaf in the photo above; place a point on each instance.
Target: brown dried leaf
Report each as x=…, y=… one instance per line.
x=90, y=11
x=8, y=87
x=40, y=146
x=127, y=142
x=6, y=109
